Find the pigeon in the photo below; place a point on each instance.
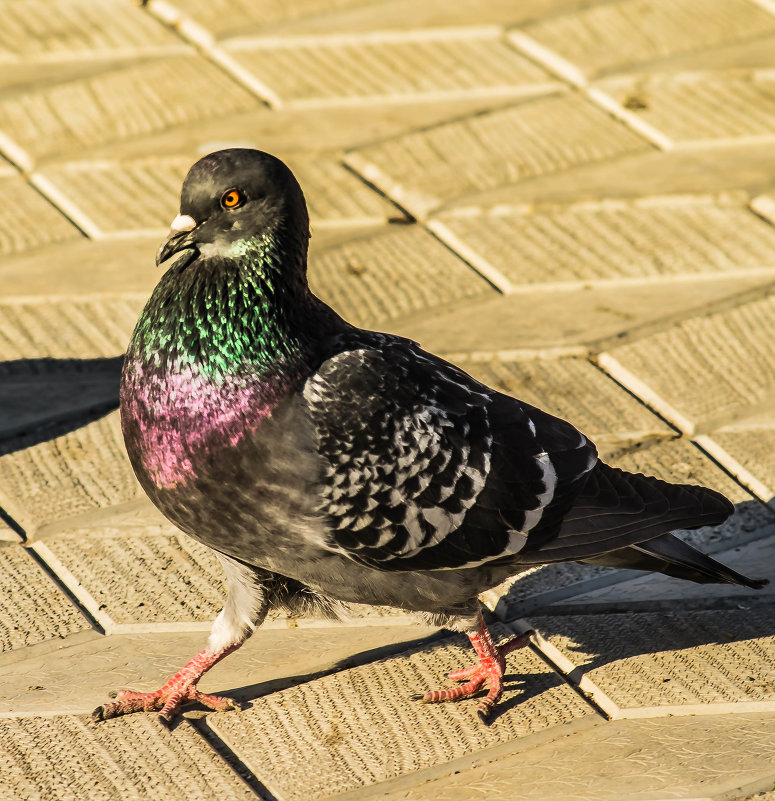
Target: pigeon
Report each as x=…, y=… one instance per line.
x=327, y=465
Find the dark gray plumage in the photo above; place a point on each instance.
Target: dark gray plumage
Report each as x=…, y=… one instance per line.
x=324, y=463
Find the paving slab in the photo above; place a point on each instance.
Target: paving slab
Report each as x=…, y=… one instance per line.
x=424, y=169
x=79, y=29
x=575, y=390
x=32, y=608
x=67, y=329
x=747, y=454
x=678, y=662
x=337, y=16
x=358, y=727
x=546, y=320
x=700, y=106
x=67, y=757
x=125, y=102
x=81, y=472
x=754, y=558
x=617, y=36
x=29, y=220
x=394, y=272
x=628, y=760
x=83, y=268
x=122, y=198
x=727, y=354
x=79, y=678
x=653, y=239
x=389, y=67
x=744, y=166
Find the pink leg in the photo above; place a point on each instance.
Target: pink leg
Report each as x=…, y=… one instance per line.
x=488, y=671
x=168, y=700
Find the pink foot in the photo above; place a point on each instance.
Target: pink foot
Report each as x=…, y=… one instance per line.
x=167, y=701
x=488, y=671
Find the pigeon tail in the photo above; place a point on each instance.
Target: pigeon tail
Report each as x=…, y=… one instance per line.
x=673, y=557
x=617, y=509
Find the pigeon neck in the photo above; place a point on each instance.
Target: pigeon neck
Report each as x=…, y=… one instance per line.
x=247, y=312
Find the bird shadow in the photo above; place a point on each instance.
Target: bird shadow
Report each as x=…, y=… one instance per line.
x=41, y=399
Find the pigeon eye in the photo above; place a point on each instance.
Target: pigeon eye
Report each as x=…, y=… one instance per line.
x=232, y=198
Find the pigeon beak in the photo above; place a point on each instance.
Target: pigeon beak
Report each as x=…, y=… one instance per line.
x=178, y=238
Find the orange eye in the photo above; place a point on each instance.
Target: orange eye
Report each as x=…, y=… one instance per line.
x=232, y=198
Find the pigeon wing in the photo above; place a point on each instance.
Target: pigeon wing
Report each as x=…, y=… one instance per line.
x=428, y=469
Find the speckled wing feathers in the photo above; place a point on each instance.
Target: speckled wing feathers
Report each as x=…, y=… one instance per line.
x=426, y=468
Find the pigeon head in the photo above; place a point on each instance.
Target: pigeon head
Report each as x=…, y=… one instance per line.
x=235, y=202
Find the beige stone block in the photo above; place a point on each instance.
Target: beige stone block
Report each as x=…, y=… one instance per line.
x=704, y=759
x=700, y=106
x=615, y=36
x=81, y=472
x=547, y=135
x=727, y=354
x=122, y=103
x=73, y=29
x=359, y=727
x=551, y=320
x=745, y=166
x=118, y=198
x=653, y=239
x=78, y=679
x=40, y=392
x=81, y=268
x=747, y=454
x=29, y=220
x=244, y=17
x=64, y=757
x=677, y=662
x=67, y=329
x=575, y=390
x=389, y=67
x=391, y=273
x=32, y=608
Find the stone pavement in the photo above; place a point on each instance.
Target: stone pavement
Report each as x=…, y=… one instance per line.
x=576, y=202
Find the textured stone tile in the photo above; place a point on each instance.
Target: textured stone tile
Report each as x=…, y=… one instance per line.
x=67, y=757
x=680, y=462
x=83, y=268
x=389, y=67
x=615, y=36
x=392, y=272
x=424, y=169
x=241, y=17
x=747, y=453
x=118, y=104
x=727, y=355
x=80, y=472
x=79, y=678
x=746, y=165
x=613, y=241
x=566, y=318
x=701, y=106
x=636, y=760
x=37, y=392
x=650, y=592
x=574, y=390
x=29, y=220
x=41, y=31
x=671, y=659
x=32, y=608
x=116, y=198
x=67, y=329
x=359, y=727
